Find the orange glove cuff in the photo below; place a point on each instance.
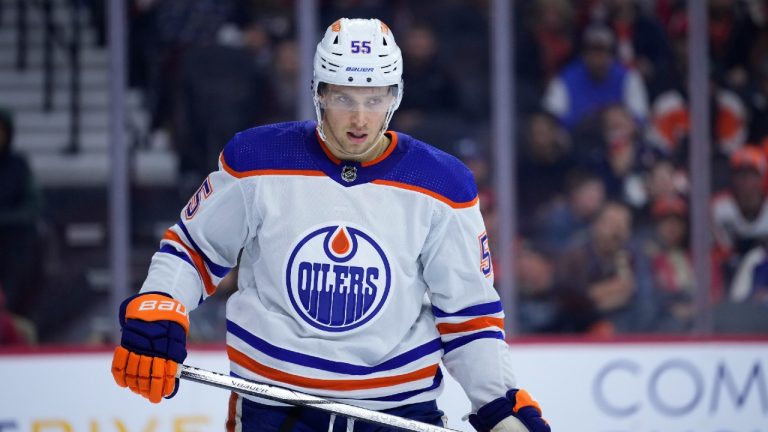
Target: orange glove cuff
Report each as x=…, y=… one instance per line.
x=157, y=307
x=524, y=399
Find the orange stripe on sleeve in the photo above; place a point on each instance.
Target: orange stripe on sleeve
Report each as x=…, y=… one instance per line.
x=253, y=173
x=471, y=325
x=328, y=384
x=425, y=191
x=210, y=288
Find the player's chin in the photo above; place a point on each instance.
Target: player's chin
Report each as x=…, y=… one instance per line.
x=357, y=148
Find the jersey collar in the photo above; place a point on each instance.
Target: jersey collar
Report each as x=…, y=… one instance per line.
x=390, y=148
x=349, y=173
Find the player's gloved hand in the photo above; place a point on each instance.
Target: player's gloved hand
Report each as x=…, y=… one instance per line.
x=517, y=412
x=154, y=340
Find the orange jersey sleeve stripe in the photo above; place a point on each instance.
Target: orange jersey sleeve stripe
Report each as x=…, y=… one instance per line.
x=471, y=325
x=210, y=288
x=328, y=384
x=425, y=191
x=252, y=173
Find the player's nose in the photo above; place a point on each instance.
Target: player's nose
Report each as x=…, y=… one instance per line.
x=358, y=118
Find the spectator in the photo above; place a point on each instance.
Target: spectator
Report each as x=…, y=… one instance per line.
x=662, y=181
x=732, y=28
x=671, y=260
x=284, y=76
x=611, y=275
x=19, y=213
x=432, y=88
x=619, y=155
x=670, y=127
x=544, y=160
x=431, y=106
x=543, y=307
x=758, y=104
x=595, y=80
x=565, y=219
x=670, y=123
x=173, y=27
x=641, y=41
x=223, y=90
x=545, y=44
x=740, y=214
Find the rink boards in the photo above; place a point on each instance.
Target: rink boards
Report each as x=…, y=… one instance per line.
x=631, y=386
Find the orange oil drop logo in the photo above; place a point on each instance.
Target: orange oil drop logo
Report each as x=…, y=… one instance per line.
x=340, y=243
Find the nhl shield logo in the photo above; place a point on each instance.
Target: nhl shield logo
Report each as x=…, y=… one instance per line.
x=338, y=278
x=349, y=173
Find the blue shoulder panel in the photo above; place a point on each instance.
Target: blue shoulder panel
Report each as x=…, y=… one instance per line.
x=427, y=167
x=280, y=146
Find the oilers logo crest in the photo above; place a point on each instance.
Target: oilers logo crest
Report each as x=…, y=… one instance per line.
x=338, y=278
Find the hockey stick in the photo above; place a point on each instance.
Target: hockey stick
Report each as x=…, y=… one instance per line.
x=293, y=397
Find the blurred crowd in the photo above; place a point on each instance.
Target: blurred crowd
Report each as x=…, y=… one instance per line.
x=602, y=168
x=602, y=182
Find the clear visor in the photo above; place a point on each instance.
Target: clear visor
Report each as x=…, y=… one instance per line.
x=370, y=99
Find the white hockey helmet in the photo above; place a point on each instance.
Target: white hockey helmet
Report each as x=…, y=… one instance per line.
x=360, y=53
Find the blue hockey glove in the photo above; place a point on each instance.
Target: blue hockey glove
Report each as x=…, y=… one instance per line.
x=154, y=340
x=517, y=412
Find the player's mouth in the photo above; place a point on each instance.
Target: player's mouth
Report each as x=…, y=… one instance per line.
x=357, y=138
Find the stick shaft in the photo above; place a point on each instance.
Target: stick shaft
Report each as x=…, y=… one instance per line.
x=293, y=397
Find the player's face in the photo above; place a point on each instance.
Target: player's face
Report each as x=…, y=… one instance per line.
x=353, y=118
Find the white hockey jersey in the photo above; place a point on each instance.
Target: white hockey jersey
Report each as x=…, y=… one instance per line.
x=355, y=279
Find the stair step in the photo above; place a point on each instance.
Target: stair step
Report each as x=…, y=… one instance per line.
x=59, y=121
x=89, y=78
x=42, y=141
x=89, y=58
x=149, y=168
x=61, y=13
x=15, y=98
x=35, y=36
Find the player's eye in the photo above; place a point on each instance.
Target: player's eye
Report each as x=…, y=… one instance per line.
x=374, y=102
x=344, y=100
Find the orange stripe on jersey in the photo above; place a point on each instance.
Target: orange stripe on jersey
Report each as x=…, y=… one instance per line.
x=336, y=27
x=252, y=173
x=425, y=191
x=328, y=384
x=231, y=425
x=471, y=325
x=210, y=288
x=387, y=151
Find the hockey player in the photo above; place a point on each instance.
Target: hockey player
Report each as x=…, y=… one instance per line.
x=364, y=263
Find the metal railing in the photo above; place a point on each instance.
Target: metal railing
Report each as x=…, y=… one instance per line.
x=54, y=37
